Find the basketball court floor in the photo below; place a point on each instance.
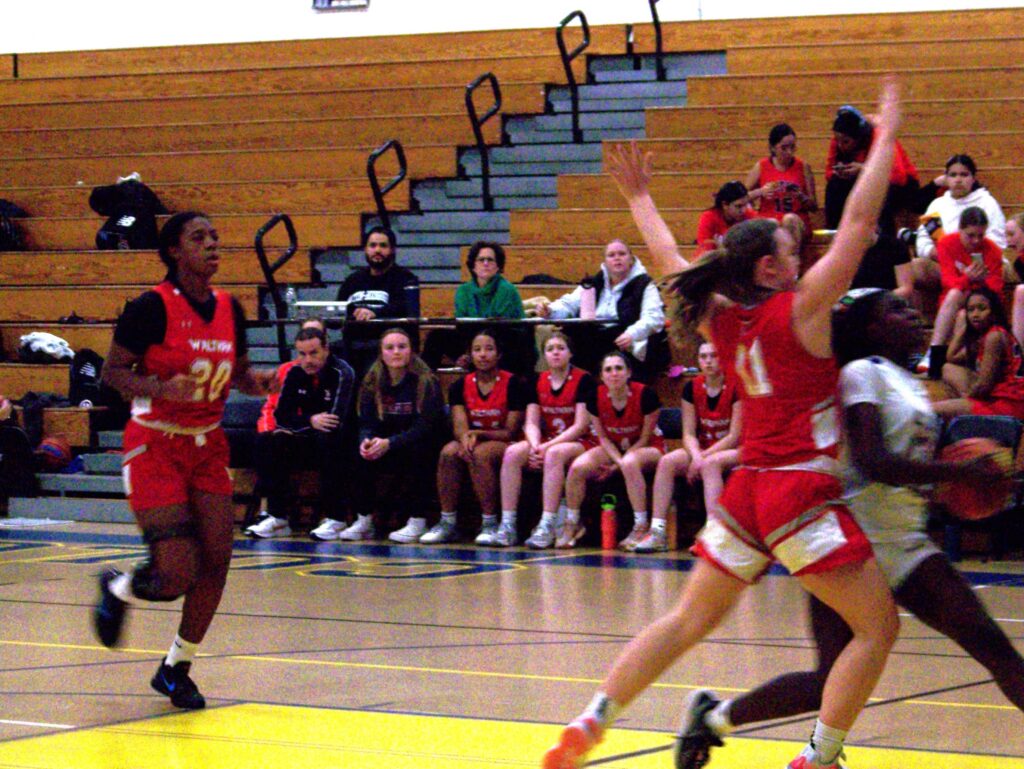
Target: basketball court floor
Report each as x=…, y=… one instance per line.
x=330, y=655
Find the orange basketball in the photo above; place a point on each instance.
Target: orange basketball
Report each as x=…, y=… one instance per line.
x=970, y=500
x=54, y=453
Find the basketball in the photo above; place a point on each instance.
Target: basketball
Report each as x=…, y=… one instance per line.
x=970, y=500
x=54, y=453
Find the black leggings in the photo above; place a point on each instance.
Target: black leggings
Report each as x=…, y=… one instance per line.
x=935, y=593
x=410, y=482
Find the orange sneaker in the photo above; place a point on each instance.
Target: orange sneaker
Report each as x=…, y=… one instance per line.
x=575, y=741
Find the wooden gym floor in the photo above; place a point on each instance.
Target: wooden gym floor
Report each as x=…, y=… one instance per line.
x=327, y=655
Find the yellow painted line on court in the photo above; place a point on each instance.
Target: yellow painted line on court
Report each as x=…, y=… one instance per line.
x=283, y=737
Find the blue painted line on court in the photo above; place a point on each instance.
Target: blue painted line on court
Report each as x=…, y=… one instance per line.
x=313, y=554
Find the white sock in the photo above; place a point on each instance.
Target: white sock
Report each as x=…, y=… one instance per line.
x=548, y=519
x=121, y=586
x=718, y=719
x=640, y=518
x=489, y=521
x=658, y=524
x=572, y=516
x=827, y=742
x=449, y=518
x=181, y=651
x=420, y=522
x=508, y=518
x=602, y=709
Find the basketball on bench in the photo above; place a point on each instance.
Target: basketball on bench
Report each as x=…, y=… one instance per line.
x=970, y=500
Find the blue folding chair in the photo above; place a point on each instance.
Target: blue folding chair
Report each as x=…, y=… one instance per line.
x=1006, y=431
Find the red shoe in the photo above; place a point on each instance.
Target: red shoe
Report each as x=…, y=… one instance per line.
x=576, y=740
x=808, y=759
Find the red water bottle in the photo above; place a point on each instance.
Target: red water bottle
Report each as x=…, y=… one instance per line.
x=609, y=524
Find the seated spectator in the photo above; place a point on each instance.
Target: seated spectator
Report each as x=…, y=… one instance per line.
x=382, y=289
x=310, y=432
x=1015, y=247
x=401, y=413
x=783, y=185
x=624, y=294
x=711, y=433
x=487, y=294
x=6, y=409
x=984, y=362
x=732, y=206
x=265, y=425
x=625, y=438
x=556, y=424
x=942, y=217
x=852, y=137
x=886, y=264
x=967, y=259
x=487, y=407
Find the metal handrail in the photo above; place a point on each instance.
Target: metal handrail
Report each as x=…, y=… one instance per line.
x=280, y=306
x=659, y=53
x=567, y=57
x=371, y=171
x=477, y=123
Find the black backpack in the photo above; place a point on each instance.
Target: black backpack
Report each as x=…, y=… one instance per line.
x=10, y=233
x=17, y=464
x=86, y=389
x=131, y=209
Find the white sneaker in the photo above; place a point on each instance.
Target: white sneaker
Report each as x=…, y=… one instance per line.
x=655, y=541
x=442, y=531
x=486, y=536
x=270, y=527
x=328, y=530
x=542, y=537
x=360, y=530
x=505, y=536
x=411, y=532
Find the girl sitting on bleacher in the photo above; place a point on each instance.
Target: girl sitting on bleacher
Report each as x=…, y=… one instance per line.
x=783, y=184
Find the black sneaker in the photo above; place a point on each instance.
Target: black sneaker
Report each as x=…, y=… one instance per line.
x=693, y=746
x=108, y=616
x=175, y=683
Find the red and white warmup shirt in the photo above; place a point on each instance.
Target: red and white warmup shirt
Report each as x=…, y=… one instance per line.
x=712, y=423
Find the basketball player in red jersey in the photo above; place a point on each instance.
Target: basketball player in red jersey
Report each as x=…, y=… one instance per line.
x=177, y=350
x=556, y=424
x=783, y=184
x=773, y=331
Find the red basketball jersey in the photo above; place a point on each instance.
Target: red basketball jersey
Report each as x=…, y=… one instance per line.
x=486, y=412
x=785, y=201
x=557, y=411
x=788, y=395
x=624, y=429
x=712, y=424
x=1011, y=385
x=267, y=422
x=191, y=346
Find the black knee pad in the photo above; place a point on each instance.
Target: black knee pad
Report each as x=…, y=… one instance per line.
x=147, y=583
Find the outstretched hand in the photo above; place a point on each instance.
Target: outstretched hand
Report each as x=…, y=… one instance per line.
x=630, y=169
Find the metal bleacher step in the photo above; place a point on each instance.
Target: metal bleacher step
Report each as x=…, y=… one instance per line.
x=102, y=464
x=601, y=93
x=109, y=439
x=619, y=68
x=81, y=483
x=84, y=509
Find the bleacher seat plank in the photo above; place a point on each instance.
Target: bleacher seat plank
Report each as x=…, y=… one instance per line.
x=685, y=189
x=960, y=83
x=99, y=302
x=16, y=379
x=516, y=97
x=72, y=422
x=95, y=336
x=437, y=300
x=236, y=230
x=83, y=268
x=990, y=149
x=351, y=193
x=543, y=67
x=283, y=163
x=245, y=135
x=919, y=116
x=888, y=54
x=587, y=225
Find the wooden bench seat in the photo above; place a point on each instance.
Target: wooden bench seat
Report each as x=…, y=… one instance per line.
x=95, y=336
x=859, y=86
x=369, y=102
x=350, y=193
x=16, y=379
x=84, y=268
x=926, y=150
x=522, y=67
x=261, y=164
x=412, y=130
x=678, y=189
x=919, y=116
x=236, y=230
x=99, y=302
x=889, y=54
